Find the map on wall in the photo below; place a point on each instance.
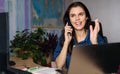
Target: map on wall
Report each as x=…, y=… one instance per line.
x=47, y=13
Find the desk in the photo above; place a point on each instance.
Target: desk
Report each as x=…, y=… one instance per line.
x=22, y=64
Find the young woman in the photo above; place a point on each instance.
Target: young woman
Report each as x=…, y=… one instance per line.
x=76, y=31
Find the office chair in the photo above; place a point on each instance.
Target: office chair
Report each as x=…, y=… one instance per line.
x=101, y=33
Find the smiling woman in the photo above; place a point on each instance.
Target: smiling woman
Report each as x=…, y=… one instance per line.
x=75, y=32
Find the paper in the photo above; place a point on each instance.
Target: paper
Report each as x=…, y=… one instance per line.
x=45, y=70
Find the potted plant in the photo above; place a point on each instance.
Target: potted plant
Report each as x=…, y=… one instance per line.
x=37, y=44
x=20, y=45
x=46, y=48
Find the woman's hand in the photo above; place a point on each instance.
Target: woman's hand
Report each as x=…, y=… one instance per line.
x=61, y=59
x=68, y=33
x=94, y=32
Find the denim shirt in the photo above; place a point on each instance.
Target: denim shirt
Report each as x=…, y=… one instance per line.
x=84, y=42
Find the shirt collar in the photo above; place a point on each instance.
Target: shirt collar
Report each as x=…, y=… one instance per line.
x=84, y=41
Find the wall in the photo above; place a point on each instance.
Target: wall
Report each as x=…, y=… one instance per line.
x=107, y=11
x=19, y=14
x=3, y=6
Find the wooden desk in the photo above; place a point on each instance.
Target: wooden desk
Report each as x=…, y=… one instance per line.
x=21, y=64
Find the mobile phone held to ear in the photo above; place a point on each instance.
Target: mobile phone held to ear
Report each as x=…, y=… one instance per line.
x=69, y=25
x=68, y=21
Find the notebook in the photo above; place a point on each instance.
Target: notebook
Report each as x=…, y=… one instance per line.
x=95, y=59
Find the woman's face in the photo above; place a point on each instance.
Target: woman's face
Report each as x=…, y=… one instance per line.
x=77, y=17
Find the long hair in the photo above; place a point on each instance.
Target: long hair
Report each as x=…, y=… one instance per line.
x=67, y=19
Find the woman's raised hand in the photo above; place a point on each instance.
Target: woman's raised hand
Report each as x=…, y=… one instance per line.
x=94, y=32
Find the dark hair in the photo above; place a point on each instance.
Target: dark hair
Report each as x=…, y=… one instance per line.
x=66, y=19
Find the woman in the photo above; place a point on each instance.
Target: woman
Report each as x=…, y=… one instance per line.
x=76, y=31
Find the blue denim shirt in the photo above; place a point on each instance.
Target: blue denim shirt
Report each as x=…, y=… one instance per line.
x=84, y=42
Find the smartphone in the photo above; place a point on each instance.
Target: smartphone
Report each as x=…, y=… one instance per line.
x=68, y=21
x=69, y=25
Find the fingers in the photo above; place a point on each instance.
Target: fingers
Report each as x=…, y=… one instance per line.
x=68, y=29
x=68, y=33
x=91, y=28
x=97, y=25
x=96, y=28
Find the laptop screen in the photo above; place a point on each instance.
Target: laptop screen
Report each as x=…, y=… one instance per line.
x=103, y=58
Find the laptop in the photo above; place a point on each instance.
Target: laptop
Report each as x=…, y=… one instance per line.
x=95, y=59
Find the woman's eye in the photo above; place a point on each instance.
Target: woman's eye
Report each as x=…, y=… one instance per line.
x=81, y=14
x=72, y=15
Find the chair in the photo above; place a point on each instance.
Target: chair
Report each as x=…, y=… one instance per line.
x=101, y=33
